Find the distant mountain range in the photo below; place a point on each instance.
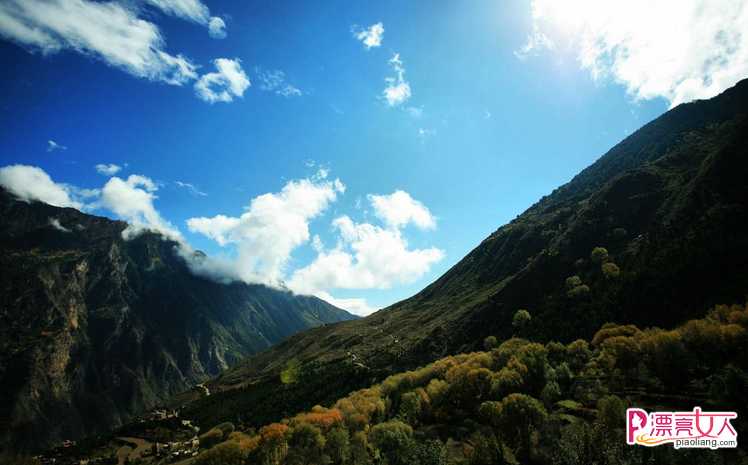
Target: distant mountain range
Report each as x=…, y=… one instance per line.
x=666, y=209
x=95, y=329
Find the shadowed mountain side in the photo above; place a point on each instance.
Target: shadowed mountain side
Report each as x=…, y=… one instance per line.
x=94, y=329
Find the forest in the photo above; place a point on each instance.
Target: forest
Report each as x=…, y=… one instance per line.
x=518, y=402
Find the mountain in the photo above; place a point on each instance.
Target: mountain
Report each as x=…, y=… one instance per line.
x=95, y=328
x=664, y=212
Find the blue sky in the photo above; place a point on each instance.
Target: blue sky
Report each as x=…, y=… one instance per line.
x=505, y=104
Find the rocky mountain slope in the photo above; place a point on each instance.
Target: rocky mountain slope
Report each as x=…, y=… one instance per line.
x=669, y=205
x=94, y=329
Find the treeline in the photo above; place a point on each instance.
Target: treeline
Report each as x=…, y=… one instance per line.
x=519, y=402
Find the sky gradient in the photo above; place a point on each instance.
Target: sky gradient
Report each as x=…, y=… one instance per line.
x=383, y=140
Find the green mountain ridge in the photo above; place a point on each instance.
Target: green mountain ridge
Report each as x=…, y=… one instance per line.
x=668, y=204
x=95, y=329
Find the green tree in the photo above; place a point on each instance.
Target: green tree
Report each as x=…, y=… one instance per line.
x=338, y=446
x=490, y=343
x=305, y=445
x=599, y=255
x=521, y=321
x=394, y=442
x=518, y=416
x=573, y=281
x=610, y=270
x=410, y=407
x=291, y=372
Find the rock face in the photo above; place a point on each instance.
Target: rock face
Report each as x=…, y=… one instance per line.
x=94, y=329
x=669, y=204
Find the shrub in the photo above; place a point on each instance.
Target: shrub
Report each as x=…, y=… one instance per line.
x=291, y=372
x=578, y=292
x=226, y=453
x=521, y=320
x=610, y=270
x=573, y=281
x=599, y=255
x=210, y=438
x=490, y=343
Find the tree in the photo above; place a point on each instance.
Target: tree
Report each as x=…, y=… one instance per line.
x=490, y=343
x=521, y=320
x=518, y=416
x=550, y=393
x=410, y=407
x=394, y=441
x=578, y=292
x=291, y=372
x=338, y=445
x=599, y=255
x=573, y=281
x=360, y=448
x=430, y=453
x=610, y=270
x=306, y=445
x=611, y=412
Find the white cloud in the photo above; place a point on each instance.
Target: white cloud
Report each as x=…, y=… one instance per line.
x=52, y=146
x=371, y=37
x=31, y=183
x=195, y=11
x=55, y=223
x=225, y=84
x=679, y=50
x=273, y=225
x=275, y=81
x=399, y=209
x=109, y=31
x=217, y=28
x=107, y=169
x=132, y=200
x=191, y=189
x=397, y=91
x=357, y=306
x=366, y=257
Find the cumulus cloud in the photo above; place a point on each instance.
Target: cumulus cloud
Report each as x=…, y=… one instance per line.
x=32, y=183
x=107, y=169
x=399, y=209
x=273, y=225
x=227, y=82
x=679, y=50
x=217, y=28
x=371, y=37
x=52, y=146
x=132, y=199
x=366, y=257
x=397, y=90
x=275, y=81
x=109, y=31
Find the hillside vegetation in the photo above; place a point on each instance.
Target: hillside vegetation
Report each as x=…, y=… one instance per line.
x=519, y=401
